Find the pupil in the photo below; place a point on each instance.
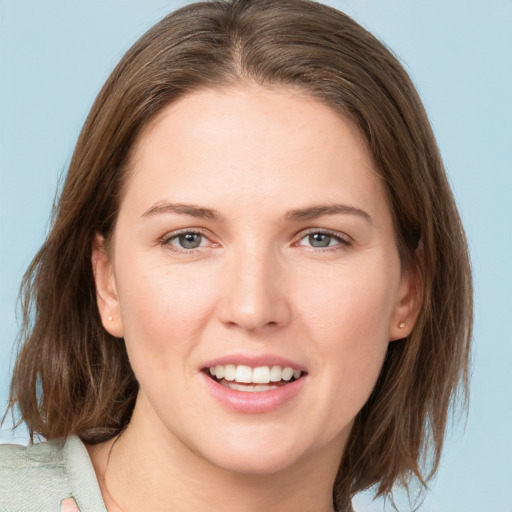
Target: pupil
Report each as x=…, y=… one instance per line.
x=319, y=240
x=190, y=240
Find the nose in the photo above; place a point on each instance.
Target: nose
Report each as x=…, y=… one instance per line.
x=255, y=292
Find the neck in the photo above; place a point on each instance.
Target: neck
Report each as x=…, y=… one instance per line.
x=146, y=469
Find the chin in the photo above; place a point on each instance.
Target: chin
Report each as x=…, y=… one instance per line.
x=266, y=455
x=256, y=464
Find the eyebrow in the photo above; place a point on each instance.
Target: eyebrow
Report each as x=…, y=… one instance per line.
x=313, y=212
x=183, y=209
x=309, y=213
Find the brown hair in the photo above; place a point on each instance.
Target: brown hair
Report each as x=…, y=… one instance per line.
x=72, y=377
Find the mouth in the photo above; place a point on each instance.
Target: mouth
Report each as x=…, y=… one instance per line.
x=248, y=379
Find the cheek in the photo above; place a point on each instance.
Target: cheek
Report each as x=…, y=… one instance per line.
x=163, y=313
x=350, y=325
x=351, y=304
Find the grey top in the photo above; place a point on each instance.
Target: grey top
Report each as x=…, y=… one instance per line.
x=45, y=476
x=55, y=476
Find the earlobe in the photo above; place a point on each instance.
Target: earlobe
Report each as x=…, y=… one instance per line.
x=106, y=291
x=407, y=307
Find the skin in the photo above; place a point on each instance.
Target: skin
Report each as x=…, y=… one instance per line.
x=255, y=286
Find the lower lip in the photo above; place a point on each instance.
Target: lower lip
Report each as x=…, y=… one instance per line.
x=256, y=402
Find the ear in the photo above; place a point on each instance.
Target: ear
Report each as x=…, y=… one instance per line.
x=408, y=304
x=106, y=290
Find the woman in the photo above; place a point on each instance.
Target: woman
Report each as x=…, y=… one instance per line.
x=256, y=292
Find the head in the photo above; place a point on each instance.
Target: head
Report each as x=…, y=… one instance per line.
x=85, y=380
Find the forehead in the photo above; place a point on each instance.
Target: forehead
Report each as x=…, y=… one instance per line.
x=255, y=141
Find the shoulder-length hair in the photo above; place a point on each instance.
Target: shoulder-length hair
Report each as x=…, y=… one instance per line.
x=72, y=377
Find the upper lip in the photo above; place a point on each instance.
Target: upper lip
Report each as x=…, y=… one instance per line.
x=254, y=361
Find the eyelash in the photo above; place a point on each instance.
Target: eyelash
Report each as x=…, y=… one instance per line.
x=342, y=239
x=167, y=239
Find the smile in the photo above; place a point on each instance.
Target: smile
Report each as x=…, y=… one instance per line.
x=256, y=388
x=247, y=379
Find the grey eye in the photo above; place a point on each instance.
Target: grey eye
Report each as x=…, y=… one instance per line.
x=190, y=240
x=320, y=240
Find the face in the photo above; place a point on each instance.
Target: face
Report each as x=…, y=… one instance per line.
x=254, y=276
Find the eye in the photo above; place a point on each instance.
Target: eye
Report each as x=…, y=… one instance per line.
x=320, y=240
x=185, y=241
x=324, y=240
x=188, y=240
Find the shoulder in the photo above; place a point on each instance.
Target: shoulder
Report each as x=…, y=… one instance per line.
x=48, y=454
x=40, y=476
x=31, y=476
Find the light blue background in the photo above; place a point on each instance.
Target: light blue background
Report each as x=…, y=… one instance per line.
x=55, y=55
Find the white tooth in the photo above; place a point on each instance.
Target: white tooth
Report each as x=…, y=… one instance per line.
x=229, y=372
x=243, y=374
x=275, y=374
x=212, y=371
x=287, y=373
x=261, y=375
x=297, y=373
x=219, y=371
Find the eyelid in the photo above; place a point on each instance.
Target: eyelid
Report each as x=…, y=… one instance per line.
x=345, y=240
x=166, y=239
